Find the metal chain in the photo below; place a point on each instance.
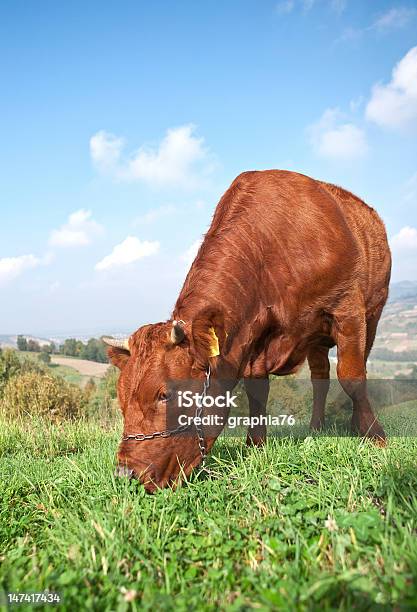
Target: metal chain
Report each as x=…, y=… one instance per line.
x=156, y=434
x=139, y=437
x=198, y=414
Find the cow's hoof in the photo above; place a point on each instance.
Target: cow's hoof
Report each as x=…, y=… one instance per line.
x=380, y=442
x=255, y=440
x=316, y=424
x=370, y=429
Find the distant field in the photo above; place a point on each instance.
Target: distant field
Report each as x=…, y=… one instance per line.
x=74, y=370
x=377, y=368
x=70, y=374
x=84, y=367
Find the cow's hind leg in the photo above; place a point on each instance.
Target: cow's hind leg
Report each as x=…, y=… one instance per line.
x=371, y=328
x=318, y=360
x=257, y=390
x=351, y=339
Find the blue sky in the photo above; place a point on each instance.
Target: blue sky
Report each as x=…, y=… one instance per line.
x=122, y=124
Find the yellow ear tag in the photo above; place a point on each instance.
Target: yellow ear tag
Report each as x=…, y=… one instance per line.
x=214, y=346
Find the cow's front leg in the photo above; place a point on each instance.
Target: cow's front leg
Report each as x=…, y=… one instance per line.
x=351, y=371
x=257, y=390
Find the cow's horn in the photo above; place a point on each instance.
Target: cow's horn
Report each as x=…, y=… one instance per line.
x=122, y=343
x=177, y=332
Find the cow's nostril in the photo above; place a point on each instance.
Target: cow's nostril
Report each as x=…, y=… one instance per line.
x=123, y=471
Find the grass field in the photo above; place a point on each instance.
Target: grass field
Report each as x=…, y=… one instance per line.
x=84, y=367
x=73, y=370
x=68, y=373
x=298, y=524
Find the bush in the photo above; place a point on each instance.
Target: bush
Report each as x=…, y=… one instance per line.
x=90, y=387
x=102, y=406
x=109, y=382
x=33, y=393
x=44, y=357
x=10, y=365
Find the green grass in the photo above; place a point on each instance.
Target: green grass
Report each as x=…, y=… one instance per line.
x=68, y=373
x=71, y=375
x=299, y=524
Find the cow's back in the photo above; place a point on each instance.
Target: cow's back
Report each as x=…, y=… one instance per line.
x=369, y=230
x=284, y=238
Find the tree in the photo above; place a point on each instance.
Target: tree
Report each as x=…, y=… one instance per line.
x=22, y=343
x=94, y=350
x=34, y=346
x=72, y=347
x=50, y=348
x=44, y=357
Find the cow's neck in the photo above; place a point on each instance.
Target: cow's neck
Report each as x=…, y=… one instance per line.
x=230, y=290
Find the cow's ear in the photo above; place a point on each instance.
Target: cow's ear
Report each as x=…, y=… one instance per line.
x=118, y=351
x=118, y=357
x=208, y=336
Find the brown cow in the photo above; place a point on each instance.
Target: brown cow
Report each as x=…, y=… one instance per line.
x=290, y=267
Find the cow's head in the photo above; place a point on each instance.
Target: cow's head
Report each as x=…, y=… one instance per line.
x=149, y=361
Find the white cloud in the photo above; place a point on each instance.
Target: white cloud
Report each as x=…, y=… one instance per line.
x=355, y=104
x=406, y=239
x=154, y=215
x=308, y=4
x=79, y=230
x=350, y=34
x=333, y=137
x=286, y=6
x=394, y=18
x=128, y=251
x=105, y=150
x=180, y=159
x=191, y=253
x=395, y=105
x=12, y=267
x=338, y=5
x=404, y=249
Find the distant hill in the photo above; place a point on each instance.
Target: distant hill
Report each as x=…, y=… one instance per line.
x=404, y=290
x=397, y=330
x=10, y=341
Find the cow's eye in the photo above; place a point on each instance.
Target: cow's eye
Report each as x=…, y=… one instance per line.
x=165, y=397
